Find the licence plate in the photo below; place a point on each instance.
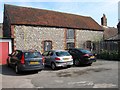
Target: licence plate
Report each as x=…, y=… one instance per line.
x=34, y=62
x=92, y=57
x=65, y=58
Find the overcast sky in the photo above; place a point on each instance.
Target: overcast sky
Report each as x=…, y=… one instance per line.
x=92, y=8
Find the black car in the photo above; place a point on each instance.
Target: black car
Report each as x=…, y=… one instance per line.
x=25, y=60
x=82, y=56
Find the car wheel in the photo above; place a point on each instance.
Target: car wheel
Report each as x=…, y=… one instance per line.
x=53, y=66
x=17, y=71
x=76, y=62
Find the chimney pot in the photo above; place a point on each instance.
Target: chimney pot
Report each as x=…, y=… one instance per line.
x=104, y=20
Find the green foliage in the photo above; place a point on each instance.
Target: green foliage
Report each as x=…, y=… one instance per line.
x=112, y=55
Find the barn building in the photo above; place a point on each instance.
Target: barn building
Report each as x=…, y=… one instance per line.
x=32, y=28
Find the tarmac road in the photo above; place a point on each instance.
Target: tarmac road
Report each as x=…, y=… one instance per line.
x=101, y=74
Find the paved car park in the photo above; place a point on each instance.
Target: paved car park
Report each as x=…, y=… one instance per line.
x=102, y=74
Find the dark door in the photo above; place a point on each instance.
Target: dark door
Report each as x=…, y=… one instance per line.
x=47, y=45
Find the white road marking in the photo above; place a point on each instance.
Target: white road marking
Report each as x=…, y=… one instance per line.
x=58, y=81
x=82, y=83
x=104, y=85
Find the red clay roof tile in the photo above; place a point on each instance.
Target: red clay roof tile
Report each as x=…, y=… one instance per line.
x=31, y=16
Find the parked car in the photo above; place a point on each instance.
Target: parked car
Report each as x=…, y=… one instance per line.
x=82, y=56
x=57, y=58
x=25, y=60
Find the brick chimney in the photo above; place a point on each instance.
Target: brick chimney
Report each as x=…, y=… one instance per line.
x=118, y=26
x=104, y=20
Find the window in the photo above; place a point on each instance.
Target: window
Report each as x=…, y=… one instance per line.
x=62, y=53
x=47, y=45
x=88, y=44
x=32, y=55
x=45, y=53
x=70, y=45
x=85, y=51
x=18, y=54
x=70, y=34
x=50, y=53
x=13, y=54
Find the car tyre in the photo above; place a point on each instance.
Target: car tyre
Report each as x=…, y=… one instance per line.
x=76, y=62
x=53, y=66
x=17, y=71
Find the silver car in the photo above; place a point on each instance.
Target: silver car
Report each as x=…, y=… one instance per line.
x=58, y=58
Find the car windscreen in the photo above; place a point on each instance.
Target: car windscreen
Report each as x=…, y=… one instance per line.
x=85, y=51
x=62, y=53
x=32, y=55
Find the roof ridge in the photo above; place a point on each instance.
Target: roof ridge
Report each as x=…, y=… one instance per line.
x=20, y=15
x=48, y=10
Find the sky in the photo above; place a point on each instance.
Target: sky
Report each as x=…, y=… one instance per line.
x=92, y=8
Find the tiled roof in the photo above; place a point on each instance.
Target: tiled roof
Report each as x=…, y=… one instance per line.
x=110, y=32
x=116, y=37
x=31, y=16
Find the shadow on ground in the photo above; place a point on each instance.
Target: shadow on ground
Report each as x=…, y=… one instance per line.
x=5, y=70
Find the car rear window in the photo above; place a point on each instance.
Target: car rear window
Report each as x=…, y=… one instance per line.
x=85, y=51
x=62, y=53
x=32, y=55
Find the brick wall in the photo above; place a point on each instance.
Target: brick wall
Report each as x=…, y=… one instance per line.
x=29, y=37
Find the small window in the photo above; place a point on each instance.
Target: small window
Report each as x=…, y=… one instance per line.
x=45, y=53
x=13, y=54
x=47, y=45
x=32, y=55
x=62, y=53
x=88, y=44
x=85, y=51
x=18, y=54
x=70, y=34
x=70, y=45
x=72, y=52
x=50, y=53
